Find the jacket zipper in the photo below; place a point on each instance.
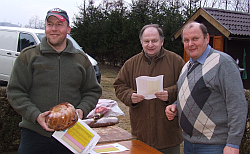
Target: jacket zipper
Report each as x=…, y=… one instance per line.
x=59, y=69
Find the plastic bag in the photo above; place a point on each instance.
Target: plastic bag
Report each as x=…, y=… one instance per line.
x=105, y=108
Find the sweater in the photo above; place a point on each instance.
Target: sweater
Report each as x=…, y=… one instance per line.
x=211, y=103
x=42, y=78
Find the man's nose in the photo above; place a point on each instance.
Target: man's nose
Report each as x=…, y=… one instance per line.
x=190, y=42
x=150, y=43
x=54, y=27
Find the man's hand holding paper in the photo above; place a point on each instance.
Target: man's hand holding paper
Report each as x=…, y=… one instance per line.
x=136, y=98
x=162, y=95
x=149, y=87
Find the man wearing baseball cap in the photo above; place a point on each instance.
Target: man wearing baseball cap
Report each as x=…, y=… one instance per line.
x=46, y=75
x=56, y=28
x=59, y=13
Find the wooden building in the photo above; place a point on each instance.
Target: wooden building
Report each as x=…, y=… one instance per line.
x=229, y=32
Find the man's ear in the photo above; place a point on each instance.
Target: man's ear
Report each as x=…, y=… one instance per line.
x=69, y=30
x=208, y=38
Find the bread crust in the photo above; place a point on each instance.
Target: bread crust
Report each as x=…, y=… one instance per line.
x=61, y=117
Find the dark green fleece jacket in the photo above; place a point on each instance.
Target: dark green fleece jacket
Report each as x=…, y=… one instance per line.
x=42, y=78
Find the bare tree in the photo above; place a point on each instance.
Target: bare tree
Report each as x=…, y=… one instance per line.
x=205, y=3
x=237, y=3
x=243, y=5
x=234, y=5
x=35, y=22
x=214, y=2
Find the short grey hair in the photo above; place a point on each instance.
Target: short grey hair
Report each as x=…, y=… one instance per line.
x=152, y=25
x=191, y=24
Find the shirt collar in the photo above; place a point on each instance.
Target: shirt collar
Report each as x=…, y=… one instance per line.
x=203, y=57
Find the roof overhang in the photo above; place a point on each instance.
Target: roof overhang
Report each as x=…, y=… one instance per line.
x=209, y=18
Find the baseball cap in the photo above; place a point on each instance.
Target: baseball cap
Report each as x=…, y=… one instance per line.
x=59, y=13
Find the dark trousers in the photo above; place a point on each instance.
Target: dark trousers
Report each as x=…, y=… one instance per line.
x=192, y=148
x=171, y=150
x=34, y=143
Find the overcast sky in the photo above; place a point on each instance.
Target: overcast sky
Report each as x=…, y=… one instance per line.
x=20, y=11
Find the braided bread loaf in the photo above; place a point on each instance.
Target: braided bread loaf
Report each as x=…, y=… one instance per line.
x=61, y=117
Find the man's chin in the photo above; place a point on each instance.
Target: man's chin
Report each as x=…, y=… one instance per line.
x=54, y=43
x=151, y=53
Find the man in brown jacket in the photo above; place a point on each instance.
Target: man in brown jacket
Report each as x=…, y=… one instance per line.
x=148, y=120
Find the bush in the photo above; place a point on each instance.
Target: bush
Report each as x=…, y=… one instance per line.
x=245, y=142
x=9, y=120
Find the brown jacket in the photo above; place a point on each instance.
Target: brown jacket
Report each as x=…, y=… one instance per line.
x=148, y=120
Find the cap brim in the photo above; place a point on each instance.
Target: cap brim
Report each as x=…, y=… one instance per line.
x=59, y=17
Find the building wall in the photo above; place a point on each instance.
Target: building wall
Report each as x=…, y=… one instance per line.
x=235, y=48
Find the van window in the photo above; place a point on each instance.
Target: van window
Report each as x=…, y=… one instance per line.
x=24, y=41
x=40, y=36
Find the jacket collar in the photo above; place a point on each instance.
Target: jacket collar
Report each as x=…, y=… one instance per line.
x=156, y=57
x=46, y=48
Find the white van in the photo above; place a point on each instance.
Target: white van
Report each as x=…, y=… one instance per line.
x=14, y=39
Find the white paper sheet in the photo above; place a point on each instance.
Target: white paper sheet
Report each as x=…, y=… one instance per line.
x=148, y=86
x=108, y=148
x=80, y=138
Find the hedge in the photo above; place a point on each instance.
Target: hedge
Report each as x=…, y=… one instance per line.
x=9, y=120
